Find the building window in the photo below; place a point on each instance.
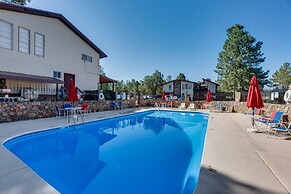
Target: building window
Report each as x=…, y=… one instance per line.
x=183, y=86
x=39, y=44
x=57, y=74
x=6, y=35
x=86, y=58
x=170, y=87
x=23, y=40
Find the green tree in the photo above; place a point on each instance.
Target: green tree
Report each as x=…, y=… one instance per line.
x=133, y=86
x=181, y=76
x=239, y=60
x=153, y=83
x=101, y=70
x=169, y=78
x=282, y=77
x=120, y=86
x=142, y=87
x=17, y=2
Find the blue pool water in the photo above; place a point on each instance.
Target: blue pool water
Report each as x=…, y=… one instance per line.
x=154, y=152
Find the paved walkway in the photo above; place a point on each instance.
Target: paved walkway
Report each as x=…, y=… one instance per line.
x=245, y=162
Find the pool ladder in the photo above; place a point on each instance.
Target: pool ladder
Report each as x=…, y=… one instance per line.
x=157, y=106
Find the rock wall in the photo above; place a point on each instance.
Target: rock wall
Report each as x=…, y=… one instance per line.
x=230, y=106
x=15, y=111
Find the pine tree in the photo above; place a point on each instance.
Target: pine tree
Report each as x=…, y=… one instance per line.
x=282, y=77
x=239, y=60
x=153, y=83
x=169, y=78
x=181, y=76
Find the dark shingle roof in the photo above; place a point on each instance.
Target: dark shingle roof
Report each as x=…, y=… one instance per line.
x=29, y=77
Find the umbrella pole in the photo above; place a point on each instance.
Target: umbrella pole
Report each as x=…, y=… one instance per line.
x=253, y=124
x=253, y=118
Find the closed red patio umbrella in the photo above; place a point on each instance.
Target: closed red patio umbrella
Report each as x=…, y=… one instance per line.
x=254, y=99
x=72, y=95
x=208, y=96
x=163, y=96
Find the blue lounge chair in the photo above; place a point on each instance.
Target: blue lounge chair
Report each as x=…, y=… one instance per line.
x=112, y=105
x=120, y=105
x=218, y=106
x=275, y=120
x=282, y=128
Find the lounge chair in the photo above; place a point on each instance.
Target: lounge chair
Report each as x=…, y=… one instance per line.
x=275, y=120
x=218, y=107
x=120, y=106
x=170, y=104
x=112, y=105
x=191, y=106
x=282, y=128
x=182, y=106
x=266, y=118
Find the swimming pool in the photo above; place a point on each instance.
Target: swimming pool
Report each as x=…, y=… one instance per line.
x=150, y=152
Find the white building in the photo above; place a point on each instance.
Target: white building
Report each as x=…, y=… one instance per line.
x=179, y=88
x=39, y=47
x=212, y=86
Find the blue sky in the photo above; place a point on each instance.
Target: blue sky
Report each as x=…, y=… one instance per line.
x=141, y=36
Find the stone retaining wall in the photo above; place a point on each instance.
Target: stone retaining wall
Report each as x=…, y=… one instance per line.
x=15, y=111
x=240, y=107
x=231, y=106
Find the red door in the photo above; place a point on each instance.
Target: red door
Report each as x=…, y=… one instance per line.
x=67, y=78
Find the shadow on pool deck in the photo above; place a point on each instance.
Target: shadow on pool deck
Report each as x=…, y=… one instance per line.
x=218, y=183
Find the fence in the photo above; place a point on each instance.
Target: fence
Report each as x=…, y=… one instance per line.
x=274, y=96
x=201, y=95
x=24, y=92
x=268, y=96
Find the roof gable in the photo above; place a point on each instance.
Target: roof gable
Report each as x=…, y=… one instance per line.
x=38, y=12
x=179, y=80
x=207, y=80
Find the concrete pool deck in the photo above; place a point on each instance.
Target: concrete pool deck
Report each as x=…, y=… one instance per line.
x=244, y=162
